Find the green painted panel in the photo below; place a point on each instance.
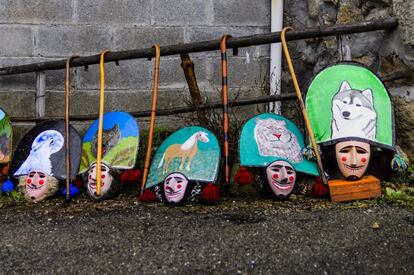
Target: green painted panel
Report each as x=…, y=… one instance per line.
x=193, y=151
x=347, y=101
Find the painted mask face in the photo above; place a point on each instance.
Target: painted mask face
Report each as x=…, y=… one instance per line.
x=106, y=179
x=36, y=184
x=352, y=158
x=174, y=187
x=281, y=177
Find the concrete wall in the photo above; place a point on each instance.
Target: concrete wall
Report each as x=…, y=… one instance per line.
x=40, y=30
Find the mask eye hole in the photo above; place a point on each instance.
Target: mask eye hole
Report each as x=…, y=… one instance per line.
x=345, y=150
x=42, y=176
x=358, y=105
x=345, y=101
x=361, y=150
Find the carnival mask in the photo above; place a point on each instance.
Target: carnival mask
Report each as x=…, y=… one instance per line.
x=281, y=177
x=106, y=179
x=174, y=187
x=36, y=184
x=352, y=158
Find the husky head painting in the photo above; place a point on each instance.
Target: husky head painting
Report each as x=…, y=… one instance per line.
x=354, y=114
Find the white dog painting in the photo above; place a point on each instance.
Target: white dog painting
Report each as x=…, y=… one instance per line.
x=354, y=114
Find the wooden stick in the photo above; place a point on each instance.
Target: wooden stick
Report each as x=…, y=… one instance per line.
x=225, y=95
x=67, y=124
x=153, y=113
x=302, y=105
x=100, y=122
x=211, y=45
x=190, y=77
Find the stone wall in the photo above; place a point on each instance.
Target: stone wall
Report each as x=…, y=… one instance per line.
x=390, y=54
x=41, y=30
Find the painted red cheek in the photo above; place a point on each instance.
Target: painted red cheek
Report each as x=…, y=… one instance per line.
x=179, y=186
x=363, y=159
x=343, y=158
x=275, y=176
x=41, y=181
x=291, y=178
x=90, y=176
x=29, y=180
x=103, y=176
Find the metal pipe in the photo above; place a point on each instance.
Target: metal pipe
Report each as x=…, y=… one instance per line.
x=211, y=45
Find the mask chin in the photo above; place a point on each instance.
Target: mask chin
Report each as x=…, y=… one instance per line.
x=352, y=158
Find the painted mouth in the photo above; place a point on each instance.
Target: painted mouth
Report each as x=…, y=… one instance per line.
x=93, y=185
x=281, y=185
x=353, y=168
x=172, y=193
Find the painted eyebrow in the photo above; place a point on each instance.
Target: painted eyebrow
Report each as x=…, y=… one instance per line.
x=289, y=168
x=277, y=166
x=177, y=178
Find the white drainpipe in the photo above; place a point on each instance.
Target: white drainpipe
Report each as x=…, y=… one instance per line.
x=276, y=54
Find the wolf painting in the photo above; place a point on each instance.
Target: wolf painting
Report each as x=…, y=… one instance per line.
x=353, y=113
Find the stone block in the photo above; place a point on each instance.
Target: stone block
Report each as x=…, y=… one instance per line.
x=242, y=72
x=242, y=12
x=17, y=82
x=16, y=41
x=180, y=12
x=114, y=11
x=36, y=11
x=69, y=40
x=404, y=10
x=130, y=74
x=18, y=103
x=197, y=34
x=172, y=75
x=87, y=102
x=142, y=37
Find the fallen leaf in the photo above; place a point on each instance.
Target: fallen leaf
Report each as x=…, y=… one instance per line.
x=375, y=225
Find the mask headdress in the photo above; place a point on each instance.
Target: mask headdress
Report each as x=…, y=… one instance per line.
x=120, y=139
x=275, y=144
x=348, y=102
x=40, y=159
x=185, y=164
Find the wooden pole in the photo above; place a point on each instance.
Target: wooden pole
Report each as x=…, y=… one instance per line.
x=211, y=45
x=153, y=113
x=100, y=122
x=225, y=95
x=67, y=125
x=302, y=106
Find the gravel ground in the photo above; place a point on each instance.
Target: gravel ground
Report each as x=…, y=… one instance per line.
x=234, y=237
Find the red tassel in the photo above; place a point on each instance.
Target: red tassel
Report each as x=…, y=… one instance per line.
x=243, y=176
x=319, y=189
x=210, y=193
x=130, y=176
x=78, y=181
x=148, y=196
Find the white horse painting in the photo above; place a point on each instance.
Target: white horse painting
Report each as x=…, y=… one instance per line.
x=185, y=151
